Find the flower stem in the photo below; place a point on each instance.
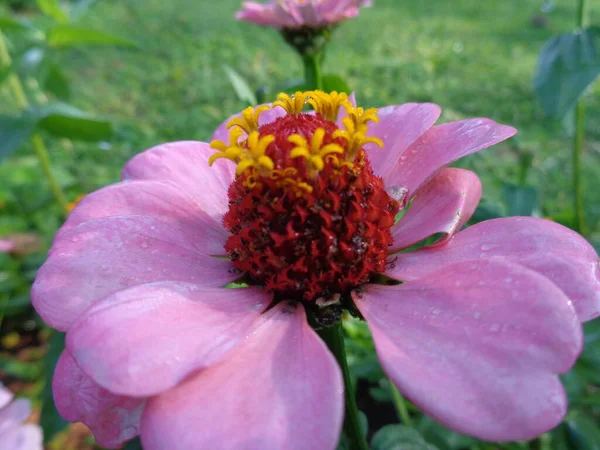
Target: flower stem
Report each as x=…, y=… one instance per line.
x=313, y=76
x=38, y=143
x=578, y=140
x=334, y=338
x=400, y=405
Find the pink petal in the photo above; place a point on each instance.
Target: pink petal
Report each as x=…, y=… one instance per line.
x=222, y=133
x=399, y=126
x=477, y=345
x=281, y=389
x=554, y=251
x=441, y=206
x=6, y=246
x=342, y=113
x=442, y=145
x=24, y=437
x=162, y=201
x=168, y=330
x=113, y=419
x=14, y=414
x=185, y=164
x=5, y=396
x=103, y=256
x=260, y=14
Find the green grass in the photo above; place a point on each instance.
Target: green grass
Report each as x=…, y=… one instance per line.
x=473, y=58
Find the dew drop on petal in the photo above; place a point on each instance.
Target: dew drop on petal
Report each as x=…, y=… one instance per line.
x=397, y=192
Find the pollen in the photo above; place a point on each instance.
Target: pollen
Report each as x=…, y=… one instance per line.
x=307, y=217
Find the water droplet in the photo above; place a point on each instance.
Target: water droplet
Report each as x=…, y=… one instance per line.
x=74, y=239
x=435, y=311
x=476, y=315
x=486, y=247
x=495, y=328
x=144, y=244
x=397, y=192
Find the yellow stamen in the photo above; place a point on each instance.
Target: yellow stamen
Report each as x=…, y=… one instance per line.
x=248, y=149
x=252, y=154
x=328, y=105
x=249, y=120
x=294, y=104
x=315, y=153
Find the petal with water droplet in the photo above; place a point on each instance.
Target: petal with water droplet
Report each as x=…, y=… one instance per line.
x=477, y=358
x=546, y=247
x=281, y=389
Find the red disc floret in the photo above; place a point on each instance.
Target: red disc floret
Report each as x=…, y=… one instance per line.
x=317, y=244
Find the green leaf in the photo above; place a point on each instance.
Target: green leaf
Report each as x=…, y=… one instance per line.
x=13, y=132
x=333, y=82
x=559, y=438
x=51, y=421
x=56, y=82
x=81, y=7
x=15, y=305
x=4, y=73
x=520, y=200
x=567, y=65
x=8, y=23
x=134, y=444
x=583, y=432
x=63, y=120
x=240, y=86
x=487, y=210
x=25, y=371
x=52, y=9
x=442, y=437
x=31, y=61
x=399, y=437
x=67, y=36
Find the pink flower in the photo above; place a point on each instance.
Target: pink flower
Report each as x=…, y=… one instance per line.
x=300, y=13
x=484, y=321
x=14, y=435
x=6, y=245
x=20, y=244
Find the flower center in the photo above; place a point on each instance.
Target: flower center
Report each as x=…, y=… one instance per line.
x=308, y=218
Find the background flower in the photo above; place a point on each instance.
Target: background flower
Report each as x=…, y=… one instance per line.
x=300, y=13
x=14, y=434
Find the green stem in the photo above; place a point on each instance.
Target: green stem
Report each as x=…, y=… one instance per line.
x=578, y=141
x=313, y=76
x=582, y=14
x=334, y=338
x=525, y=161
x=38, y=143
x=400, y=405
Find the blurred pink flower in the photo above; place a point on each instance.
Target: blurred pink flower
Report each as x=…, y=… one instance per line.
x=14, y=435
x=300, y=13
x=484, y=321
x=6, y=245
x=21, y=243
